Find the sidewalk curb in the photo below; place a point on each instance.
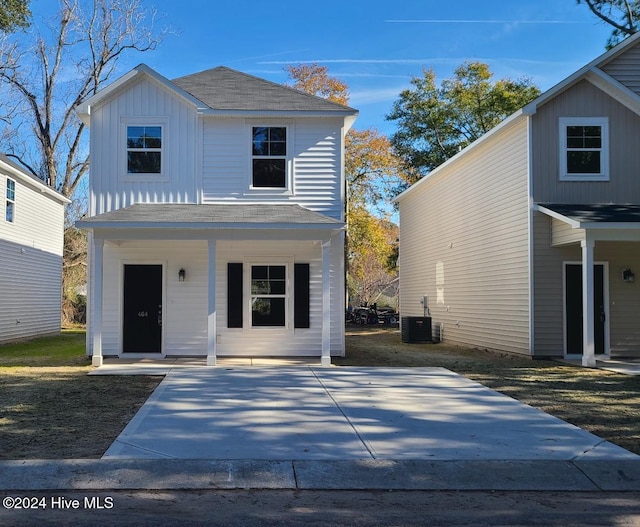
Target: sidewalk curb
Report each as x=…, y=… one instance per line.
x=153, y=474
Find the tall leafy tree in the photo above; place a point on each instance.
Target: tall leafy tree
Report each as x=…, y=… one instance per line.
x=372, y=171
x=622, y=15
x=371, y=167
x=434, y=122
x=14, y=15
x=50, y=70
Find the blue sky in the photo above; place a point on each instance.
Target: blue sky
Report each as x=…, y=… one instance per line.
x=375, y=46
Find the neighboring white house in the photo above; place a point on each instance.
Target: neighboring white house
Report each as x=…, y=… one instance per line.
x=31, y=240
x=216, y=218
x=508, y=237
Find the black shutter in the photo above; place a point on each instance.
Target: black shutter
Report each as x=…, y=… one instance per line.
x=234, y=295
x=301, y=295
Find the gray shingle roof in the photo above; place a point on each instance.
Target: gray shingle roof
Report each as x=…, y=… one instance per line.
x=597, y=213
x=231, y=215
x=223, y=88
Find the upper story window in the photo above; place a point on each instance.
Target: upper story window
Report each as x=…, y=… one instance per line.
x=584, y=149
x=269, y=157
x=10, y=203
x=144, y=149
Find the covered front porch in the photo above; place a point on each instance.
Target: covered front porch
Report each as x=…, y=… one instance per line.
x=608, y=238
x=233, y=280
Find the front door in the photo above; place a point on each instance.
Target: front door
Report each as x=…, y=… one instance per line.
x=573, y=309
x=142, y=320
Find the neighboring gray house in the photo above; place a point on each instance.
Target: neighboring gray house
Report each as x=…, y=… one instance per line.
x=216, y=218
x=508, y=237
x=31, y=240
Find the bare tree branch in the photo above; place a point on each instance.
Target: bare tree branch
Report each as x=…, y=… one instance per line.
x=85, y=44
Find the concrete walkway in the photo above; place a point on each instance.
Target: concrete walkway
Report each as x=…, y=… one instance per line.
x=307, y=427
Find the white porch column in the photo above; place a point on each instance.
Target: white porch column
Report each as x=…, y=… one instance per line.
x=588, y=329
x=326, y=303
x=211, y=318
x=98, y=265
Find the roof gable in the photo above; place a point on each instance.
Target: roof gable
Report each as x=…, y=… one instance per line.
x=140, y=71
x=224, y=90
x=593, y=72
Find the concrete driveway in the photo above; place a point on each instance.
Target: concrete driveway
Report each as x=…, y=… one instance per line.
x=315, y=413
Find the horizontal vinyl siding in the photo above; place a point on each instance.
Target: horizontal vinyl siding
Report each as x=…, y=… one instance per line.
x=38, y=219
x=185, y=303
x=470, y=221
x=111, y=188
x=31, y=264
x=624, y=298
x=585, y=100
x=269, y=342
x=548, y=287
x=626, y=68
x=314, y=147
x=30, y=291
x=563, y=234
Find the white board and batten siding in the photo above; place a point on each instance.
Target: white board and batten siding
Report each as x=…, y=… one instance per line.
x=31, y=261
x=464, y=244
x=315, y=164
x=185, y=303
x=144, y=103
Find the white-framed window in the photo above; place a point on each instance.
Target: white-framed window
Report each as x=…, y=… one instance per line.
x=10, y=201
x=269, y=296
x=269, y=158
x=144, y=144
x=584, y=149
x=144, y=149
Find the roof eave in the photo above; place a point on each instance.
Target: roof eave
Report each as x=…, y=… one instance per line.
x=36, y=184
x=89, y=224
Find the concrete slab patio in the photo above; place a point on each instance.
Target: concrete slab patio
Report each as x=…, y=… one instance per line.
x=314, y=413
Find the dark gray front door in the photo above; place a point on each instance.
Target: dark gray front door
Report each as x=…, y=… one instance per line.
x=573, y=308
x=142, y=321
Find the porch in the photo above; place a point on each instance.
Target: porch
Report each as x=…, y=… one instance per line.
x=607, y=297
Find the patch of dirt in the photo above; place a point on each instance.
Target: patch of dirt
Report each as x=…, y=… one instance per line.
x=61, y=412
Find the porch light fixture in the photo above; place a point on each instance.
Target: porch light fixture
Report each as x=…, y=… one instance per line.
x=628, y=276
x=181, y=275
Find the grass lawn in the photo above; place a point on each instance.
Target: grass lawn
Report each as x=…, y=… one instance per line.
x=52, y=409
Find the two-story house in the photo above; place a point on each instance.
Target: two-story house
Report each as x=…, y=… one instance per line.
x=31, y=241
x=216, y=218
x=528, y=240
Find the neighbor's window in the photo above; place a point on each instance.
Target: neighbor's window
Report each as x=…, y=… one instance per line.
x=269, y=157
x=584, y=149
x=268, y=295
x=144, y=149
x=10, y=203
